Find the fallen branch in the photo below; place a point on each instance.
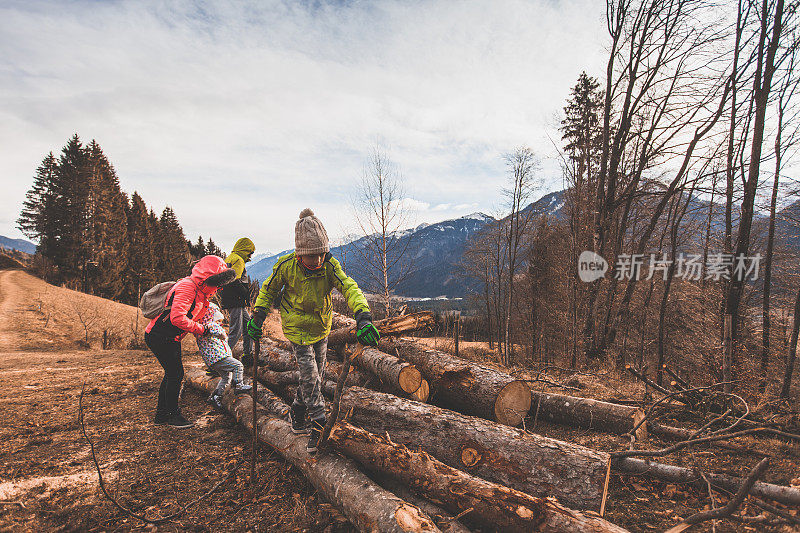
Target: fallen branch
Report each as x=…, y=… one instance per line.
x=733, y=504
x=153, y=521
x=337, y=396
x=678, y=474
x=683, y=444
x=387, y=327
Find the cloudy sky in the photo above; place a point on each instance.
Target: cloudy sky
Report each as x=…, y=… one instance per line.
x=240, y=114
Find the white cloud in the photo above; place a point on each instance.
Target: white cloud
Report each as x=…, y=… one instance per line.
x=241, y=114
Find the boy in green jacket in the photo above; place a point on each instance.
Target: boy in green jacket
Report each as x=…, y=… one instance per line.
x=306, y=278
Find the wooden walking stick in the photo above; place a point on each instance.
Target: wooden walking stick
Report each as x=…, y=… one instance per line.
x=256, y=357
x=337, y=395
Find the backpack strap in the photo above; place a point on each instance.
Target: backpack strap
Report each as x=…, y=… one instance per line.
x=168, y=303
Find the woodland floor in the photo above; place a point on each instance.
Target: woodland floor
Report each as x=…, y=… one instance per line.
x=48, y=481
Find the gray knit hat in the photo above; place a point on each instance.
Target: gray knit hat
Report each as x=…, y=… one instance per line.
x=310, y=237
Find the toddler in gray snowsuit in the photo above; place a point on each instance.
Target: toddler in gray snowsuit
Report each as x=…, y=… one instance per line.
x=217, y=356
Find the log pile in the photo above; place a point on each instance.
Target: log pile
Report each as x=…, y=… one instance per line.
x=458, y=457
x=388, y=327
x=370, y=507
x=464, y=386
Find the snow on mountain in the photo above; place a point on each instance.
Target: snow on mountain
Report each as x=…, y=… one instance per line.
x=434, y=252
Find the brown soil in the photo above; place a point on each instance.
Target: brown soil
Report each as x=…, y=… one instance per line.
x=47, y=478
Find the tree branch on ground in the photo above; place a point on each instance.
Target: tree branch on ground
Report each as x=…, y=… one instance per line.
x=152, y=521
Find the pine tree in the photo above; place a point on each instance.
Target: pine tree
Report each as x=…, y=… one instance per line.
x=157, y=239
x=213, y=249
x=91, y=237
x=175, y=252
x=197, y=250
x=582, y=128
x=36, y=220
x=141, y=272
x=72, y=224
x=108, y=236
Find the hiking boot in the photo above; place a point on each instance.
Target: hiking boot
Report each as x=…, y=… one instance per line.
x=316, y=431
x=161, y=418
x=212, y=373
x=176, y=420
x=297, y=417
x=247, y=360
x=215, y=400
x=241, y=388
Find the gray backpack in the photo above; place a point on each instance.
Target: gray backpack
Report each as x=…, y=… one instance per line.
x=152, y=302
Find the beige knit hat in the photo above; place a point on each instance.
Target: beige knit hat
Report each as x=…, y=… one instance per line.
x=310, y=237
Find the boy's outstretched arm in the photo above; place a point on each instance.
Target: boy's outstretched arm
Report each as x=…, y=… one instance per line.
x=366, y=332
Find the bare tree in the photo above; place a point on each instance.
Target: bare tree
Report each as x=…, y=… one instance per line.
x=88, y=316
x=665, y=90
x=771, y=33
x=783, y=140
x=381, y=214
x=787, y=376
x=522, y=163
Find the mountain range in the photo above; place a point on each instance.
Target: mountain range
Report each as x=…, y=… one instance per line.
x=17, y=244
x=437, y=250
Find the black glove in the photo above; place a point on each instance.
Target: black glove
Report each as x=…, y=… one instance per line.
x=366, y=332
x=206, y=332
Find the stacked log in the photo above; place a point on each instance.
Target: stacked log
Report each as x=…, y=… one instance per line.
x=467, y=387
x=372, y=508
x=530, y=463
x=589, y=414
x=368, y=506
x=398, y=377
x=387, y=327
x=486, y=505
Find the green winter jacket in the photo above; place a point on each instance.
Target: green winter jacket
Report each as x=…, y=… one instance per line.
x=305, y=304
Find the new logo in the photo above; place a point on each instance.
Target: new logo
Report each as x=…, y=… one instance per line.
x=591, y=266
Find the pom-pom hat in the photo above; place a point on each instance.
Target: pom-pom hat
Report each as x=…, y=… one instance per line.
x=310, y=237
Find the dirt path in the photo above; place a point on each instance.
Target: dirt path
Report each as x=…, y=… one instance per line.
x=9, y=295
x=47, y=479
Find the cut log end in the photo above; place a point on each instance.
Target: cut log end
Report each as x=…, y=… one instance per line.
x=410, y=379
x=641, y=431
x=470, y=456
x=513, y=403
x=422, y=393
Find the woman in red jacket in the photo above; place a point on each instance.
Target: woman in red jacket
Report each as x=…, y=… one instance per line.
x=185, y=304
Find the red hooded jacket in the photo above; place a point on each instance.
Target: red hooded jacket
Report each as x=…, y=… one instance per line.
x=207, y=276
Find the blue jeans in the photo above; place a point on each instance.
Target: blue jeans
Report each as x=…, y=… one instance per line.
x=311, y=364
x=239, y=319
x=228, y=368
